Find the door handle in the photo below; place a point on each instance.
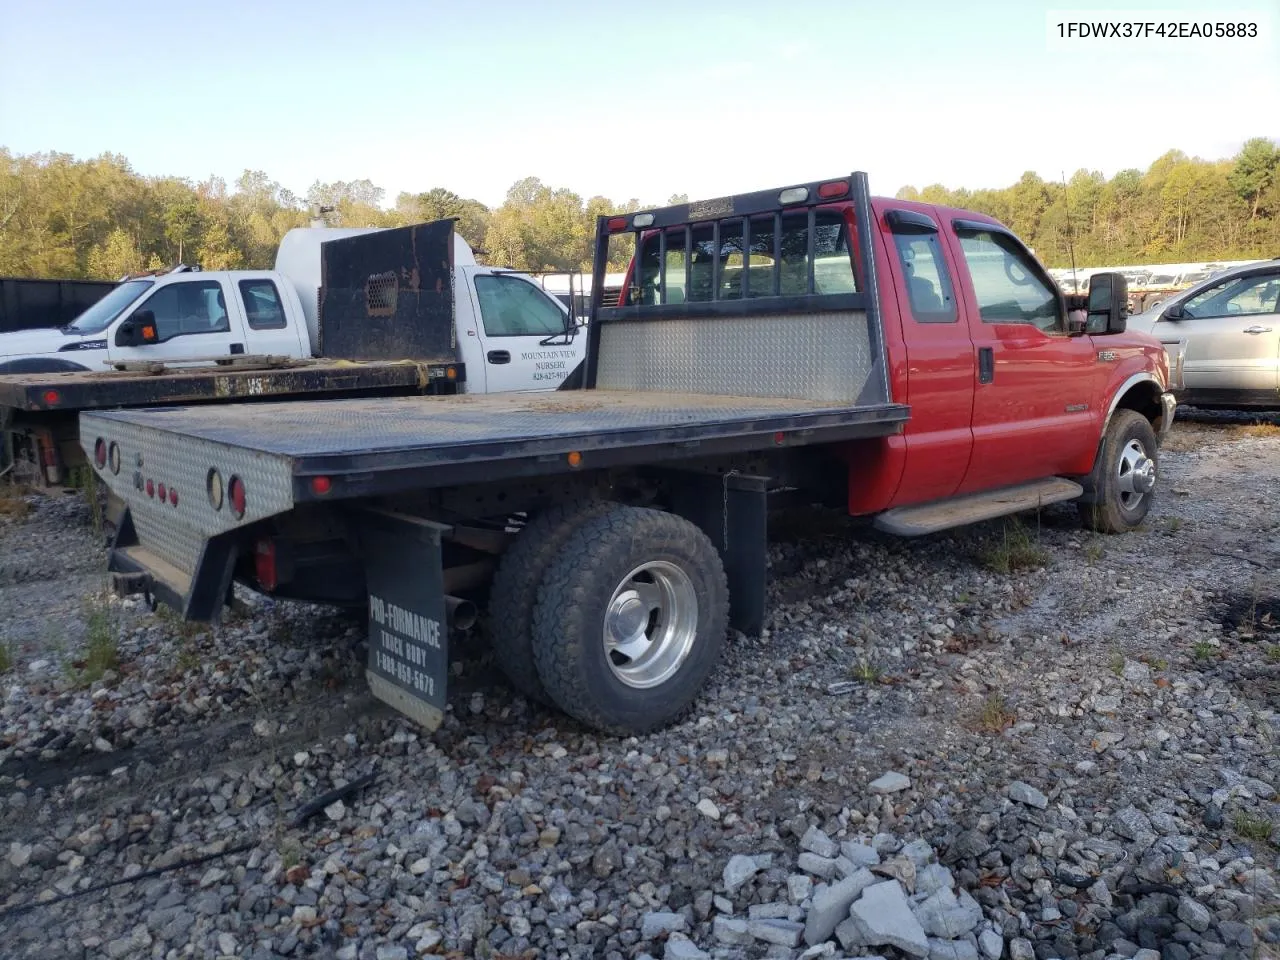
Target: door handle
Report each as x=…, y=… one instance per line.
x=499, y=356
x=986, y=364
x=1255, y=329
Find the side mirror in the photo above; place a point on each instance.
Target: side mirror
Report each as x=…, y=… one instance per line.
x=1108, y=303
x=1175, y=312
x=137, y=330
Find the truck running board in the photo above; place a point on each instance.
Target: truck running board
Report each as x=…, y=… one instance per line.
x=975, y=507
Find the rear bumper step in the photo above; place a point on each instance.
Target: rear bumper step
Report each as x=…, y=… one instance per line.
x=973, y=508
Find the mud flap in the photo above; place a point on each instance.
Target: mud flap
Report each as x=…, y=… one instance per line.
x=408, y=665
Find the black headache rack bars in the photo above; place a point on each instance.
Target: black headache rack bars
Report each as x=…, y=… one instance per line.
x=737, y=213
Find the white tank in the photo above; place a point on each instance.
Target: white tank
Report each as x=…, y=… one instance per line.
x=298, y=261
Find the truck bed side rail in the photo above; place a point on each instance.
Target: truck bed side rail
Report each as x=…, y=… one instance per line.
x=771, y=293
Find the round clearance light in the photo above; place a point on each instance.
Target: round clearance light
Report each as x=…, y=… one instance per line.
x=642, y=220
x=113, y=456
x=794, y=195
x=100, y=453
x=52, y=398
x=320, y=486
x=235, y=494
x=213, y=483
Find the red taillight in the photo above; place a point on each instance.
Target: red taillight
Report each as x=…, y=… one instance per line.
x=173, y=496
x=52, y=398
x=779, y=437
x=151, y=489
x=321, y=485
x=162, y=493
x=264, y=564
x=618, y=223
x=836, y=188
x=100, y=453
x=235, y=493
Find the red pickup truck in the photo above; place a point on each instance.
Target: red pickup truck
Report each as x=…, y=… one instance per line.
x=904, y=360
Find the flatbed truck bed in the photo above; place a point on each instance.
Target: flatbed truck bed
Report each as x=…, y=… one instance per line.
x=384, y=446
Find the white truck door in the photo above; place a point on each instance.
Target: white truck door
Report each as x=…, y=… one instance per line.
x=189, y=317
x=519, y=334
x=273, y=324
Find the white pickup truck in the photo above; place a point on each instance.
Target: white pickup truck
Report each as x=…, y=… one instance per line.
x=509, y=333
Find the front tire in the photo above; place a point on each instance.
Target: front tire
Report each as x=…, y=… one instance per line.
x=630, y=620
x=1124, y=479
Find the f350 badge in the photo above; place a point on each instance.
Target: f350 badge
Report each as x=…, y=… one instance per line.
x=1106, y=356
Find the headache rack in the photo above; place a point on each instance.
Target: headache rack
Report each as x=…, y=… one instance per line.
x=811, y=339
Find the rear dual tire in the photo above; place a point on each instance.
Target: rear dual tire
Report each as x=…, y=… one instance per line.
x=629, y=620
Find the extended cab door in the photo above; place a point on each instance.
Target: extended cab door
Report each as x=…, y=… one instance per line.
x=1035, y=405
x=1232, y=336
x=939, y=358
x=516, y=334
x=272, y=317
x=190, y=317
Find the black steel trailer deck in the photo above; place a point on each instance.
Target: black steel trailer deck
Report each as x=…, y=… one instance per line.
x=378, y=446
x=46, y=392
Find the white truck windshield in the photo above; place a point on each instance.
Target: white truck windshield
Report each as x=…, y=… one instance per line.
x=98, y=317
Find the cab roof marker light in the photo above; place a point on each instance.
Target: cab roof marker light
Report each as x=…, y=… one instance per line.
x=642, y=220
x=833, y=189
x=617, y=223
x=794, y=195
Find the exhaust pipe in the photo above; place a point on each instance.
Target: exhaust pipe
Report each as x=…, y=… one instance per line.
x=460, y=614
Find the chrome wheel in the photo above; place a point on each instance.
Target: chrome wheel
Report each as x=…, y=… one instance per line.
x=650, y=624
x=1137, y=474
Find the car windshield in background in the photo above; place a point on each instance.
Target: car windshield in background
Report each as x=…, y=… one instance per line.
x=98, y=317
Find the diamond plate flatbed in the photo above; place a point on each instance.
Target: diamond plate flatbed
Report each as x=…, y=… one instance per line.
x=390, y=444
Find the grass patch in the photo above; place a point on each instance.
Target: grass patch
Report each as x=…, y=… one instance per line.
x=1203, y=650
x=1117, y=664
x=13, y=502
x=1015, y=549
x=101, y=652
x=1093, y=552
x=1172, y=525
x=290, y=853
x=1272, y=652
x=994, y=716
x=865, y=671
x=1252, y=826
x=1257, y=431
x=1158, y=664
x=6, y=658
x=86, y=482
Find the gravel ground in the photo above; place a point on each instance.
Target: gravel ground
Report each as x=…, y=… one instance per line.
x=925, y=756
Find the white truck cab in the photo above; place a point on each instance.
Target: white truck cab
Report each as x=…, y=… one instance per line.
x=510, y=333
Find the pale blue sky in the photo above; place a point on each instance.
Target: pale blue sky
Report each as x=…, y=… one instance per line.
x=626, y=100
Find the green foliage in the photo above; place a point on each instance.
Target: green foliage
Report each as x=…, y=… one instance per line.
x=1014, y=549
x=1181, y=208
x=6, y=658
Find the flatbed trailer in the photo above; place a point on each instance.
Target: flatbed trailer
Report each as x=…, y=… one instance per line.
x=41, y=410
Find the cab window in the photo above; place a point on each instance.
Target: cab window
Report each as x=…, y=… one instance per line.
x=1240, y=296
x=925, y=274
x=1006, y=282
x=183, y=309
x=511, y=307
x=262, y=304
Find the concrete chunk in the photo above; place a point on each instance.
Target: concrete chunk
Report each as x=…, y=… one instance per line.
x=831, y=906
x=730, y=930
x=884, y=918
x=860, y=853
x=823, y=867
x=891, y=782
x=815, y=841
x=782, y=932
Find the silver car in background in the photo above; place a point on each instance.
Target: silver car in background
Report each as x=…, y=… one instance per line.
x=1223, y=338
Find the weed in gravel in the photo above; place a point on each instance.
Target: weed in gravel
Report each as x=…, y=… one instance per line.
x=101, y=652
x=86, y=481
x=13, y=502
x=188, y=658
x=1158, y=664
x=6, y=658
x=995, y=715
x=1172, y=525
x=1094, y=551
x=290, y=853
x=186, y=629
x=1272, y=652
x=1252, y=826
x=1117, y=664
x=865, y=671
x=1256, y=431
x=1203, y=650
x=1015, y=550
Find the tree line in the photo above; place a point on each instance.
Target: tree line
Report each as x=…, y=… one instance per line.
x=97, y=218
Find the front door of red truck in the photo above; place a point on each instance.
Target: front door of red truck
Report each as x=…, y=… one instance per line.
x=1034, y=405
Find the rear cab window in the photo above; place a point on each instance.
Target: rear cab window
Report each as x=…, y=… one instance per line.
x=262, y=305
x=924, y=269
x=751, y=258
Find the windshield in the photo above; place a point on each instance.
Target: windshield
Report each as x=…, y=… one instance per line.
x=98, y=317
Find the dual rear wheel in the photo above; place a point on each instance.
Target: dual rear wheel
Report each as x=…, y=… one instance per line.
x=615, y=614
